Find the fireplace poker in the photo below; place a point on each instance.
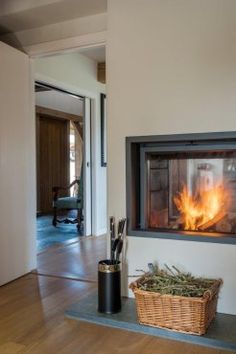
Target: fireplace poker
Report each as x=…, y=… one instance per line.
x=115, y=240
x=113, y=249
x=122, y=226
x=120, y=238
x=112, y=233
x=117, y=243
x=119, y=250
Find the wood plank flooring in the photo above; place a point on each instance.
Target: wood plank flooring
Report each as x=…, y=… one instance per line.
x=75, y=261
x=32, y=321
x=32, y=311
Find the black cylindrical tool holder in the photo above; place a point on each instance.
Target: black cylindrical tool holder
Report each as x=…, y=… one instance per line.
x=109, y=293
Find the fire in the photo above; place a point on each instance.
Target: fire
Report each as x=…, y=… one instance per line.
x=204, y=209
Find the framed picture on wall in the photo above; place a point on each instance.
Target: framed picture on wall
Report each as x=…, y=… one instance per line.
x=103, y=131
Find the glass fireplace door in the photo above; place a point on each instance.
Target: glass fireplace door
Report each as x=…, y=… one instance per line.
x=188, y=190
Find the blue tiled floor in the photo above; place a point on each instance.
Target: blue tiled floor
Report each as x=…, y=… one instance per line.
x=48, y=235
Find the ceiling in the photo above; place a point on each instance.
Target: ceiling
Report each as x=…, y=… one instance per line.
x=21, y=15
x=95, y=53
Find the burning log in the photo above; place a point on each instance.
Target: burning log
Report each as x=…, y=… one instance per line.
x=224, y=225
x=217, y=218
x=203, y=209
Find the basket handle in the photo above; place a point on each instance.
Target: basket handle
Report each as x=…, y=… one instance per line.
x=210, y=293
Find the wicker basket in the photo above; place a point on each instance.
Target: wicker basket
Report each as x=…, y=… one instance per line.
x=191, y=315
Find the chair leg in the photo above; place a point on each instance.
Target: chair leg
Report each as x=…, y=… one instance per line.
x=54, y=220
x=79, y=218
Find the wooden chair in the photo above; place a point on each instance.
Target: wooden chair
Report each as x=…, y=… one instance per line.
x=69, y=203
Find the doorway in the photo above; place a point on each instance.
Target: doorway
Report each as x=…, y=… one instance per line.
x=74, y=76
x=61, y=189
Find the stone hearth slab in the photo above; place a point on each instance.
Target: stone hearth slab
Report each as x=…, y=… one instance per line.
x=221, y=334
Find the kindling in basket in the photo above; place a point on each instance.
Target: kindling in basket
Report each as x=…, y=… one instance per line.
x=175, y=300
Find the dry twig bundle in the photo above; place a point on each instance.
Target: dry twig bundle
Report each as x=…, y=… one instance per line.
x=174, y=282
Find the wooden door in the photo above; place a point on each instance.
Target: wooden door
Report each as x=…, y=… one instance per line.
x=52, y=158
x=17, y=166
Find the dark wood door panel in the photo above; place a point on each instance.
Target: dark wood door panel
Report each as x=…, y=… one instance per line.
x=53, y=158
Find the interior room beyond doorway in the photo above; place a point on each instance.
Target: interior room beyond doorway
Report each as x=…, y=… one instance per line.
x=59, y=131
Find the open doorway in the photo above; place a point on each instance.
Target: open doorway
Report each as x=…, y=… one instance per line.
x=59, y=131
x=72, y=83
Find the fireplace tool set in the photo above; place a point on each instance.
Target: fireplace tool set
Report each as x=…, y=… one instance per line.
x=116, y=242
x=109, y=288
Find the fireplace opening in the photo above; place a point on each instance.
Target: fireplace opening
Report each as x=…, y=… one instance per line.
x=181, y=186
x=191, y=192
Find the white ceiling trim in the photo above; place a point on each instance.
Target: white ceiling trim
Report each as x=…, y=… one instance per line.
x=66, y=45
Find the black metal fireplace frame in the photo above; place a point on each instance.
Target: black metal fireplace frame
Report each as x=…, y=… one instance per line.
x=136, y=147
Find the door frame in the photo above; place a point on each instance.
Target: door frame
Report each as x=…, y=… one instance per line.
x=87, y=175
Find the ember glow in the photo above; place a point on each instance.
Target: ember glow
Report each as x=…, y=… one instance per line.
x=202, y=210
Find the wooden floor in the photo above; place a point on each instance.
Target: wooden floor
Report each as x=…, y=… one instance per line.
x=32, y=314
x=75, y=261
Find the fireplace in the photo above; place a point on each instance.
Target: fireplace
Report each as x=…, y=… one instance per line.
x=182, y=186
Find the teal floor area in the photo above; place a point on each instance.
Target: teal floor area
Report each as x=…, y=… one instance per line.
x=48, y=235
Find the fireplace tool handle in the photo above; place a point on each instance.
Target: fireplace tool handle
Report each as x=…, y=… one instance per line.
x=112, y=234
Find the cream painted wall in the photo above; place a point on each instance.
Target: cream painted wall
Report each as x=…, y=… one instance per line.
x=17, y=166
x=171, y=69
x=59, y=101
x=77, y=73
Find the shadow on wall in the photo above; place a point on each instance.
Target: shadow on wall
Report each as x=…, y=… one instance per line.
x=11, y=40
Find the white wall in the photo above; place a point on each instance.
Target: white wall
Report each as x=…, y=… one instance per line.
x=60, y=102
x=17, y=166
x=171, y=69
x=78, y=73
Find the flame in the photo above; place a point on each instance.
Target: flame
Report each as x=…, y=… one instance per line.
x=199, y=210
